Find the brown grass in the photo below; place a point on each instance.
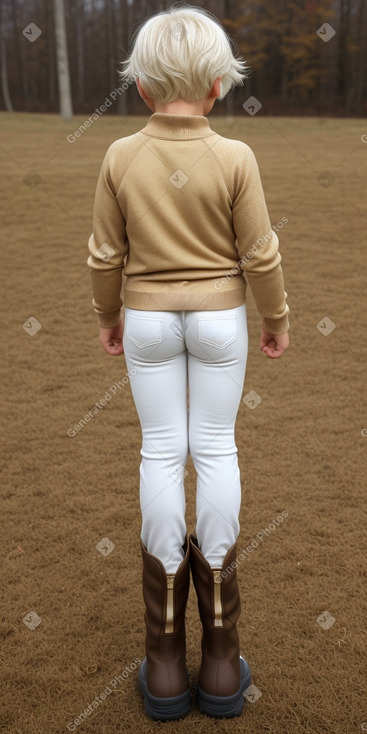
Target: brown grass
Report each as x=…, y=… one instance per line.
x=301, y=450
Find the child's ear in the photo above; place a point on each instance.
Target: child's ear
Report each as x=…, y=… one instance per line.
x=215, y=90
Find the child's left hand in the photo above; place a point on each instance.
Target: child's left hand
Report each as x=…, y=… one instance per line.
x=111, y=339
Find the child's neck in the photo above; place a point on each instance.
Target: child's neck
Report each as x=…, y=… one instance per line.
x=181, y=107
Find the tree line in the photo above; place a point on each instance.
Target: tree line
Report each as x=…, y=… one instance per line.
x=307, y=56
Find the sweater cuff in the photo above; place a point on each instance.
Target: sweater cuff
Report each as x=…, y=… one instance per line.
x=108, y=320
x=276, y=326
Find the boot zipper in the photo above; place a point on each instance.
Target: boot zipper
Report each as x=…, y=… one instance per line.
x=218, y=621
x=169, y=610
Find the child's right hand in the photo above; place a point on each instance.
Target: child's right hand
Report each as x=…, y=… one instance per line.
x=273, y=345
x=111, y=339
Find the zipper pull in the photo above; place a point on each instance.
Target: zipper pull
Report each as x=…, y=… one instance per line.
x=218, y=621
x=169, y=609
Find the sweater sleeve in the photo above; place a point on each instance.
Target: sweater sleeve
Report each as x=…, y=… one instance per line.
x=108, y=247
x=258, y=245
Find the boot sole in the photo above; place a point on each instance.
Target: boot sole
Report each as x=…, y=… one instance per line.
x=226, y=706
x=163, y=709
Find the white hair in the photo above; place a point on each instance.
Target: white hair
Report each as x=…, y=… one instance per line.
x=179, y=53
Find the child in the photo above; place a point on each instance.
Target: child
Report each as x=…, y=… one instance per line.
x=186, y=208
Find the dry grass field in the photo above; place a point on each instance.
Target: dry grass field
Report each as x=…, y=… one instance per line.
x=72, y=628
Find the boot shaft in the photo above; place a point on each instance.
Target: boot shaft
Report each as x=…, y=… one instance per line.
x=217, y=589
x=165, y=596
x=219, y=608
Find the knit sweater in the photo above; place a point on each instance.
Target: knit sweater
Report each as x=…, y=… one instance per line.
x=180, y=212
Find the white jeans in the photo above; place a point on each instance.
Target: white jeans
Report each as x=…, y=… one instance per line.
x=167, y=352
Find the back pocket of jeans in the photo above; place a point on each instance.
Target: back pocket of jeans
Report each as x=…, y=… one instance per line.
x=218, y=332
x=143, y=331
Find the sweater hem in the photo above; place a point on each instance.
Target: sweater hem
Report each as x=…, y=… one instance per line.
x=159, y=301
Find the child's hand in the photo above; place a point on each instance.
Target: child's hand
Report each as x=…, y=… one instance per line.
x=273, y=345
x=111, y=339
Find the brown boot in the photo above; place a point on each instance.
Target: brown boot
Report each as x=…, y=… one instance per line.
x=224, y=673
x=163, y=676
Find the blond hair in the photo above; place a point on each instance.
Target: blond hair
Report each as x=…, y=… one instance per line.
x=180, y=52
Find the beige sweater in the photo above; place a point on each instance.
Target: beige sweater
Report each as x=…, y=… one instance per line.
x=180, y=211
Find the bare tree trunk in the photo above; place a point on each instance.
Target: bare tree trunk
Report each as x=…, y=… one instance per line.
x=122, y=43
x=52, y=90
x=4, y=69
x=22, y=87
x=359, y=64
x=229, y=98
x=66, y=108
x=50, y=31
x=80, y=50
x=110, y=46
x=350, y=82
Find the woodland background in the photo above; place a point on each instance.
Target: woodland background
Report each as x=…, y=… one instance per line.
x=82, y=42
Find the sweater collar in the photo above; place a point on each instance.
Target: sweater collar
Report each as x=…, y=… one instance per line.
x=177, y=127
